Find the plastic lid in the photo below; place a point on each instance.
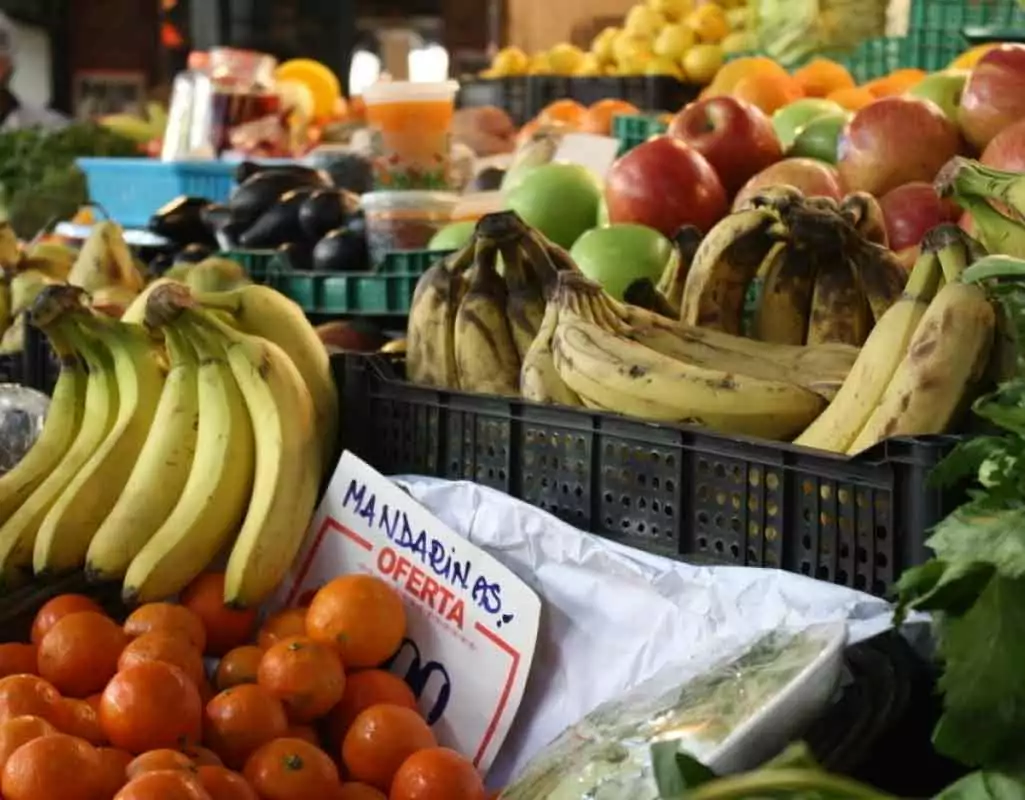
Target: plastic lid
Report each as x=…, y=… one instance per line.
x=413, y=91
x=411, y=200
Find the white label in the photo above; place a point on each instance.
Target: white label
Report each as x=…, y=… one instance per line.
x=588, y=150
x=472, y=624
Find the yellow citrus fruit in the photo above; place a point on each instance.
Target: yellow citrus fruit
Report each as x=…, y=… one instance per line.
x=738, y=42
x=733, y=72
x=709, y=23
x=510, y=61
x=673, y=41
x=319, y=79
x=628, y=48
x=589, y=66
x=539, y=65
x=674, y=10
x=601, y=47
x=663, y=66
x=643, y=22
x=565, y=58
x=702, y=63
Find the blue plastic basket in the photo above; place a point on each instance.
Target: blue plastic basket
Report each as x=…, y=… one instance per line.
x=132, y=189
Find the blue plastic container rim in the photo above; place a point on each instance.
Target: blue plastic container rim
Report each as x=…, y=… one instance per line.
x=204, y=166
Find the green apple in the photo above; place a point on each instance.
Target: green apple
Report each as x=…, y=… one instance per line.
x=944, y=89
x=603, y=213
x=788, y=120
x=818, y=139
x=560, y=200
x=453, y=236
x=619, y=255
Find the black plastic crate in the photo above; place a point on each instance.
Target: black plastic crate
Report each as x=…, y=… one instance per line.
x=36, y=366
x=523, y=98
x=676, y=491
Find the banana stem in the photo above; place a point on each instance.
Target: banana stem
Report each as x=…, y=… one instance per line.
x=992, y=267
x=953, y=261
x=997, y=232
x=963, y=179
x=230, y=302
x=924, y=280
x=54, y=302
x=166, y=304
x=772, y=782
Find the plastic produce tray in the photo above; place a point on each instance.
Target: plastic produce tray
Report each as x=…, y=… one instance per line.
x=676, y=491
x=635, y=129
x=523, y=98
x=132, y=189
x=19, y=607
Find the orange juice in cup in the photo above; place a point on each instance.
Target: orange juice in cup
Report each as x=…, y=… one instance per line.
x=411, y=127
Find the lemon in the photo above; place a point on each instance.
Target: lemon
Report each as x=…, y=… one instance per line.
x=565, y=58
x=702, y=62
x=601, y=47
x=635, y=64
x=629, y=48
x=673, y=41
x=510, y=61
x=643, y=22
x=539, y=65
x=589, y=66
x=672, y=9
x=738, y=42
x=660, y=65
x=738, y=18
x=709, y=23
x=321, y=81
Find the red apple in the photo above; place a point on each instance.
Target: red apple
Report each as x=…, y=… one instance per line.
x=665, y=184
x=893, y=141
x=994, y=96
x=735, y=136
x=814, y=178
x=912, y=210
x=1006, y=150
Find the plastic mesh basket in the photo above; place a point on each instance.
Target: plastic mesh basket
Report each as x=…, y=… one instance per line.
x=635, y=129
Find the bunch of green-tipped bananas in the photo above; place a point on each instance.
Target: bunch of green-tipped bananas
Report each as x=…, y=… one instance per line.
x=207, y=430
x=826, y=273
x=996, y=200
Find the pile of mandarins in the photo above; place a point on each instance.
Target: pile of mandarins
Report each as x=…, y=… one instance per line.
x=94, y=710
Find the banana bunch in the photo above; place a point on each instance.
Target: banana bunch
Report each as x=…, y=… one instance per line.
x=159, y=453
x=988, y=193
x=825, y=272
x=473, y=319
x=924, y=360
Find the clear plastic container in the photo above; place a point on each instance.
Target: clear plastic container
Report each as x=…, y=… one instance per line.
x=411, y=127
x=404, y=220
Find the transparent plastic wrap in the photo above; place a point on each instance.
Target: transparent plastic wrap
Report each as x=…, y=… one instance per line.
x=726, y=717
x=22, y=411
x=792, y=31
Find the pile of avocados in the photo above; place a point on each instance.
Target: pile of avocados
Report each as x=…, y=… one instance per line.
x=293, y=209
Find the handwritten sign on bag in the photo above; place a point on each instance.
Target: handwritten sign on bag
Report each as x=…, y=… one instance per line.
x=472, y=624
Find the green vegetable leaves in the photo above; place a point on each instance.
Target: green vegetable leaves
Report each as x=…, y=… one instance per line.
x=985, y=786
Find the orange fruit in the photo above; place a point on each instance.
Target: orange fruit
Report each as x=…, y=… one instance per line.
x=57, y=766
x=358, y=791
x=202, y=756
x=734, y=71
x=240, y=720
x=852, y=99
x=226, y=628
x=163, y=784
x=283, y=625
x=897, y=82
x=768, y=92
x=305, y=675
x=17, y=659
x=238, y=666
x=361, y=616
x=170, y=647
x=166, y=617
x=94, y=700
x=20, y=730
x=151, y=706
x=113, y=770
x=305, y=732
x=363, y=689
x=290, y=769
x=380, y=739
x=569, y=111
x=79, y=718
x=60, y=606
x=78, y=655
x=821, y=76
x=223, y=784
x=437, y=774
x=27, y=695
x=598, y=118
x=159, y=760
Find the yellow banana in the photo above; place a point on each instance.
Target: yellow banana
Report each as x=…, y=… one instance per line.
x=159, y=474
x=525, y=303
x=839, y=311
x=539, y=379
x=727, y=260
x=430, y=332
x=674, y=276
x=785, y=301
x=219, y=487
x=68, y=528
x=63, y=419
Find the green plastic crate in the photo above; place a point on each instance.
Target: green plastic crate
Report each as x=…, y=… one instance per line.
x=635, y=129
x=387, y=291
x=258, y=264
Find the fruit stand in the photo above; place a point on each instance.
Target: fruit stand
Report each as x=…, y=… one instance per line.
x=713, y=379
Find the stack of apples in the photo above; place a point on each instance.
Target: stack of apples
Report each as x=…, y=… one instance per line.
x=720, y=149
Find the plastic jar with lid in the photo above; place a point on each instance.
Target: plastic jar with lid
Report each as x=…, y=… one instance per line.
x=404, y=220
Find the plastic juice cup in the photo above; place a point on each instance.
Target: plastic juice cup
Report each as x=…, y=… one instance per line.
x=411, y=131
x=404, y=220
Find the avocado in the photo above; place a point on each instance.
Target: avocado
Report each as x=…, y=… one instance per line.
x=341, y=250
x=259, y=192
x=278, y=224
x=326, y=209
x=181, y=221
